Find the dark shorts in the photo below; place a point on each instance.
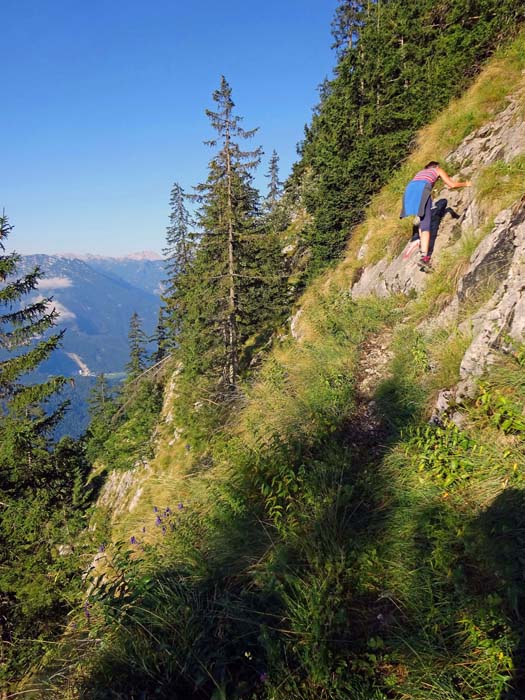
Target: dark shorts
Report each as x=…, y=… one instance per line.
x=424, y=224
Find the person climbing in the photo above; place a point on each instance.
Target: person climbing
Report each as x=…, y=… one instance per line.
x=417, y=201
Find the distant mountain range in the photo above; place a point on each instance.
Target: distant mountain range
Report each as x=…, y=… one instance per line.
x=95, y=297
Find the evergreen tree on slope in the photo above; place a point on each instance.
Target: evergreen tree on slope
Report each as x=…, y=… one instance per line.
x=225, y=271
x=23, y=423
x=41, y=484
x=137, y=348
x=178, y=253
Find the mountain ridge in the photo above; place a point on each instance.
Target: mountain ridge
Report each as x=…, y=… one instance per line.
x=95, y=299
x=138, y=255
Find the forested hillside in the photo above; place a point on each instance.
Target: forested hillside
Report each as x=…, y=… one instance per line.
x=315, y=486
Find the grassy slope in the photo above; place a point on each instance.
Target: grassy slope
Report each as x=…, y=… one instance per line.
x=309, y=562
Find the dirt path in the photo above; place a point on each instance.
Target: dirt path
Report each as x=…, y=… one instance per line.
x=366, y=432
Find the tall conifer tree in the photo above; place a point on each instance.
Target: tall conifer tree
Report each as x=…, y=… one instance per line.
x=178, y=253
x=137, y=348
x=160, y=337
x=224, y=271
x=277, y=214
x=25, y=344
x=40, y=482
x=275, y=186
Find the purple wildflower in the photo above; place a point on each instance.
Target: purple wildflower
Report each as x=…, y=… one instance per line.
x=86, y=610
x=158, y=520
x=143, y=529
x=102, y=548
x=155, y=509
x=163, y=529
x=263, y=677
x=180, y=506
x=167, y=511
x=133, y=540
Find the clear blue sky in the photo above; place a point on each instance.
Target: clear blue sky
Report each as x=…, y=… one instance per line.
x=103, y=107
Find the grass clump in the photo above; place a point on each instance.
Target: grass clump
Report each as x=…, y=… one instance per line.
x=500, y=184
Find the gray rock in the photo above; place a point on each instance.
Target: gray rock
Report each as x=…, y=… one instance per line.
x=501, y=139
x=295, y=328
x=403, y=274
x=504, y=313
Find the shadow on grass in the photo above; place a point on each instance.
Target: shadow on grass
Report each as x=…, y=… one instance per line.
x=500, y=530
x=258, y=606
x=455, y=576
x=291, y=600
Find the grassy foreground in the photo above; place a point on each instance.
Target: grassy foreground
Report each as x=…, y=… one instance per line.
x=314, y=561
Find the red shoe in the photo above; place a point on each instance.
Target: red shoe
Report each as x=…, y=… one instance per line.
x=424, y=263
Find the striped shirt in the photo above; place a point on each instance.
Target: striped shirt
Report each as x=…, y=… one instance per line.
x=428, y=175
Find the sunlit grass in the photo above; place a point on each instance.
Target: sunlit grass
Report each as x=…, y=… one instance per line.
x=446, y=347
x=499, y=185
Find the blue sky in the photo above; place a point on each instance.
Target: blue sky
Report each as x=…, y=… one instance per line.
x=103, y=107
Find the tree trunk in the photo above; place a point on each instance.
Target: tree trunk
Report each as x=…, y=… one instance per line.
x=232, y=367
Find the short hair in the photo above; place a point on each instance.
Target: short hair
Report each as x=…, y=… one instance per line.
x=432, y=164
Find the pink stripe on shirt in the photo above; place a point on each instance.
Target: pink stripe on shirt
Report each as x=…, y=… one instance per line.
x=428, y=174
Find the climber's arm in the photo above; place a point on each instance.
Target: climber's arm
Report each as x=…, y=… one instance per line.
x=449, y=182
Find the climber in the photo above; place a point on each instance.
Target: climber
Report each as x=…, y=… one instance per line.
x=417, y=201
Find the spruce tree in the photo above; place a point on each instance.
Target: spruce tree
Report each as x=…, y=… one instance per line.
x=223, y=273
x=38, y=479
x=275, y=186
x=102, y=407
x=160, y=337
x=346, y=25
x=25, y=344
x=178, y=253
x=277, y=214
x=137, y=348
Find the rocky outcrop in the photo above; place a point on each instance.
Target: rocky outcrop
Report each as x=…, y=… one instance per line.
x=503, y=138
x=455, y=212
x=492, y=279
x=501, y=320
x=123, y=489
x=498, y=263
x=450, y=214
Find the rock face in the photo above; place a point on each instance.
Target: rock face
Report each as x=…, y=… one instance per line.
x=496, y=268
x=122, y=489
x=500, y=257
x=450, y=219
